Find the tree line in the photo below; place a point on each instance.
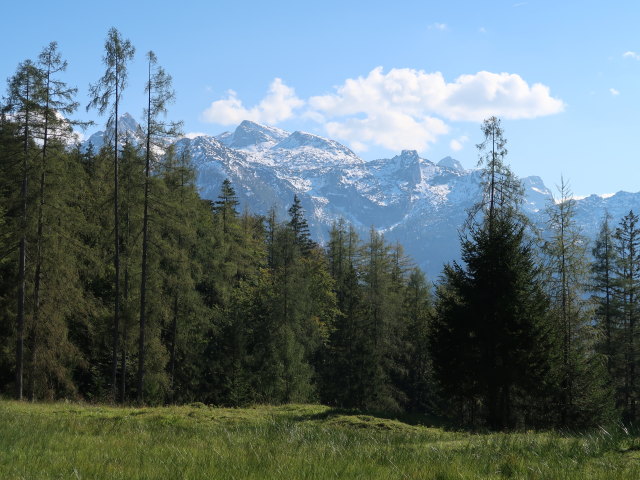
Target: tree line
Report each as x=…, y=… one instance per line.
x=120, y=283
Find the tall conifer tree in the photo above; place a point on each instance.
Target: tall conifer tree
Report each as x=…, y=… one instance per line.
x=159, y=94
x=490, y=340
x=583, y=392
x=105, y=96
x=25, y=94
x=603, y=286
x=627, y=241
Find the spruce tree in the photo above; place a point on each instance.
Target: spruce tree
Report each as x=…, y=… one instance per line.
x=300, y=227
x=490, y=339
x=226, y=206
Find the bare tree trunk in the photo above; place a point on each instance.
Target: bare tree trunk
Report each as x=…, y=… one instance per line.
x=125, y=328
x=116, y=257
x=174, y=336
x=22, y=263
x=145, y=240
x=40, y=237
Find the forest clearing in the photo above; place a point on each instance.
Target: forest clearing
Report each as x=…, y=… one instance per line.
x=65, y=440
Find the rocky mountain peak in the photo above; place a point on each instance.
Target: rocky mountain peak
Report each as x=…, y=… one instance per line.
x=451, y=163
x=251, y=134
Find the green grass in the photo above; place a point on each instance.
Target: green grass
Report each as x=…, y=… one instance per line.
x=70, y=441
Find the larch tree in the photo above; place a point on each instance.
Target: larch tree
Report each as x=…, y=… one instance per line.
x=106, y=95
x=627, y=242
x=582, y=392
x=604, y=255
x=417, y=309
x=339, y=373
x=159, y=94
x=24, y=105
x=55, y=130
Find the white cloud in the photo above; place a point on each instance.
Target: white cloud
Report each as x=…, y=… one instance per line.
x=457, y=144
x=400, y=108
x=278, y=105
x=478, y=96
x=482, y=30
x=438, y=26
x=392, y=130
x=614, y=92
x=632, y=55
x=192, y=135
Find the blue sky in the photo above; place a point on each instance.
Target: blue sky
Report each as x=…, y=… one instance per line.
x=380, y=76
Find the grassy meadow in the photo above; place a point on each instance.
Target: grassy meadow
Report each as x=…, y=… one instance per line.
x=72, y=441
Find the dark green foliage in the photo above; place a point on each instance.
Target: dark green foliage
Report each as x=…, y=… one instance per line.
x=603, y=285
x=627, y=272
x=159, y=94
x=583, y=392
x=490, y=340
x=615, y=283
x=300, y=227
x=105, y=96
x=339, y=385
x=370, y=353
x=419, y=385
x=110, y=259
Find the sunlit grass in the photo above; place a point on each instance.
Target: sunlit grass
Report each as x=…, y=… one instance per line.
x=55, y=441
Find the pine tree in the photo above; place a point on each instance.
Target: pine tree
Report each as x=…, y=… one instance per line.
x=106, y=95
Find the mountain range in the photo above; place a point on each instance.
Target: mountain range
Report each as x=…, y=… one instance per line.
x=412, y=200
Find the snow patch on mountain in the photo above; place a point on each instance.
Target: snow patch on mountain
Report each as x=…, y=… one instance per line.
x=419, y=203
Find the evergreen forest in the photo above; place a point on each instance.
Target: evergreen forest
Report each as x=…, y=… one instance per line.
x=120, y=284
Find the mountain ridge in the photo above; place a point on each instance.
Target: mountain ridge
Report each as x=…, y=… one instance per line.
x=413, y=200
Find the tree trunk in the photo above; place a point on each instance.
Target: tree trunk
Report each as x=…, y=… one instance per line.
x=145, y=240
x=22, y=262
x=116, y=257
